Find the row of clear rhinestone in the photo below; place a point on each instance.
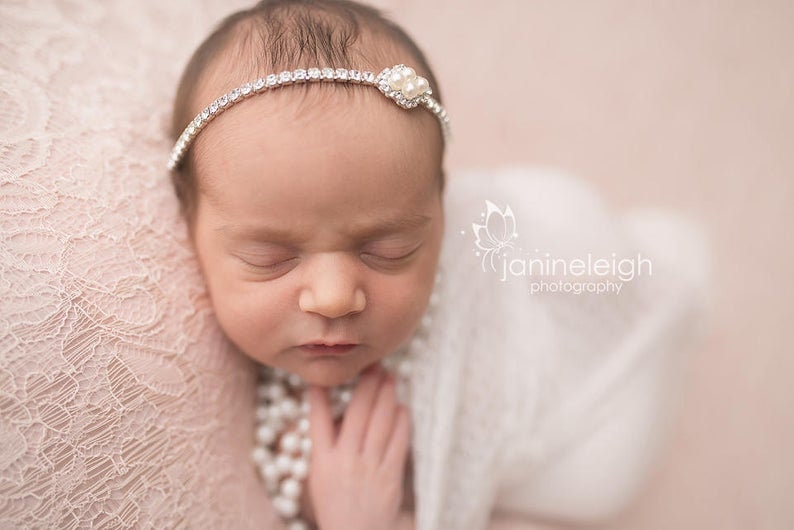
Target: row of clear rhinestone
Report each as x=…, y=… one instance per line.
x=301, y=75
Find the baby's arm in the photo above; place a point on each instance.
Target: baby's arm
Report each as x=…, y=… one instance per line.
x=356, y=475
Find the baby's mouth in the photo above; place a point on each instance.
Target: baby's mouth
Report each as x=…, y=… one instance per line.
x=328, y=348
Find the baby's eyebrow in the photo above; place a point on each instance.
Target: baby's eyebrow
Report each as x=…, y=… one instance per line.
x=392, y=226
x=374, y=230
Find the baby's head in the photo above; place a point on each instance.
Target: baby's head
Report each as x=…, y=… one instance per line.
x=315, y=209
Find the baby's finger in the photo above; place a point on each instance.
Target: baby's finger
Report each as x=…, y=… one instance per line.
x=397, y=450
x=321, y=427
x=382, y=421
x=358, y=411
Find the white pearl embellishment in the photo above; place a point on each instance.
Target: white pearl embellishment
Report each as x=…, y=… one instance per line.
x=401, y=84
x=404, y=79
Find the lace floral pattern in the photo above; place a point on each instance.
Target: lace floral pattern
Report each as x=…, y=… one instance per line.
x=122, y=405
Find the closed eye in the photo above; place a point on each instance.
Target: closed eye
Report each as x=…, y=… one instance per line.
x=271, y=266
x=390, y=258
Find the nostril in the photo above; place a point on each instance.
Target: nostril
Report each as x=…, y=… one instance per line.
x=332, y=303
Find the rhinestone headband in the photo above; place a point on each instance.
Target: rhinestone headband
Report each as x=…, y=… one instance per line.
x=399, y=83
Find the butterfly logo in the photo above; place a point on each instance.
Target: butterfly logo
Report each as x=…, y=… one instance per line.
x=496, y=234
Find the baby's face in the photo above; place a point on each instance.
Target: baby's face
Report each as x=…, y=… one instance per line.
x=319, y=222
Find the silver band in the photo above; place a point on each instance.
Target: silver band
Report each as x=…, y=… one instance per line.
x=399, y=83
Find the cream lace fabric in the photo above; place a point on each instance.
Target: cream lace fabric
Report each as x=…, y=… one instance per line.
x=121, y=405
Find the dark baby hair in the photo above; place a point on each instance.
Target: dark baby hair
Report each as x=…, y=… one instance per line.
x=275, y=35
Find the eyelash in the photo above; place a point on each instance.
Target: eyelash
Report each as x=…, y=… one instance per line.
x=386, y=261
x=393, y=260
x=270, y=267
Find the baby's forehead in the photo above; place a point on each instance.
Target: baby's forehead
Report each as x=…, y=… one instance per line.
x=321, y=186
x=359, y=154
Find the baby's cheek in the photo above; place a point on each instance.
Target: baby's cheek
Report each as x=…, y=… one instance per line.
x=247, y=317
x=402, y=305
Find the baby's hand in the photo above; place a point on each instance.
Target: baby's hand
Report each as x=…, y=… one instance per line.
x=355, y=479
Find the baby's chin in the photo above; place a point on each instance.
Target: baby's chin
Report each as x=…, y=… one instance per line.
x=330, y=371
x=327, y=380
x=325, y=370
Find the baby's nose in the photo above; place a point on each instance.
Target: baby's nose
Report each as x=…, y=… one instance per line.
x=332, y=288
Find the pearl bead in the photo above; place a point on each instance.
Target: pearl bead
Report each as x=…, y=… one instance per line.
x=305, y=408
x=298, y=525
x=262, y=391
x=290, y=442
x=388, y=362
x=291, y=488
x=300, y=468
x=422, y=85
x=417, y=343
x=274, y=411
x=277, y=424
x=409, y=72
x=261, y=412
x=294, y=380
x=265, y=434
x=303, y=425
x=275, y=391
x=426, y=321
x=345, y=395
x=284, y=506
x=289, y=408
x=306, y=445
x=405, y=368
x=410, y=89
x=396, y=79
x=261, y=455
x=270, y=471
x=283, y=464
